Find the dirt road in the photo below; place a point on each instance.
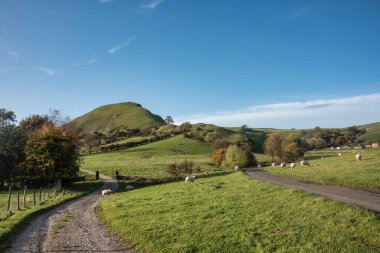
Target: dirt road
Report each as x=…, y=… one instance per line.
x=369, y=200
x=71, y=227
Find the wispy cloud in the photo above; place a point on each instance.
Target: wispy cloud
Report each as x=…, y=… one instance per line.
x=47, y=71
x=337, y=112
x=120, y=46
x=105, y=1
x=152, y=4
x=88, y=62
x=13, y=54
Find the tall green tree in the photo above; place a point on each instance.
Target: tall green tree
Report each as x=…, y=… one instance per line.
x=12, y=141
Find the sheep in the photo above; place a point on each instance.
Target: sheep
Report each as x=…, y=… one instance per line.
x=106, y=192
x=237, y=168
x=283, y=165
x=292, y=166
x=305, y=163
x=322, y=157
x=129, y=187
x=190, y=179
x=358, y=157
x=273, y=165
x=339, y=154
x=206, y=173
x=259, y=166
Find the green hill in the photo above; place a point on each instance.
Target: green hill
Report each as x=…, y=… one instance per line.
x=372, y=134
x=114, y=116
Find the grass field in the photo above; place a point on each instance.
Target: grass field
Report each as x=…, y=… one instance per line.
x=12, y=222
x=230, y=212
x=338, y=170
x=151, y=160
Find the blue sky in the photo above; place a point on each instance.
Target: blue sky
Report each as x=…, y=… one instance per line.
x=217, y=61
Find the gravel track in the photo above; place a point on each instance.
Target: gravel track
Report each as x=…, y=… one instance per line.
x=71, y=227
x=366, y=199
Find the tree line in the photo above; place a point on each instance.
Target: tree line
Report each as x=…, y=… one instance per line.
x=39, y=150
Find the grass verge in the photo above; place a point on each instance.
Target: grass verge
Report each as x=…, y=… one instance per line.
x=230, y=212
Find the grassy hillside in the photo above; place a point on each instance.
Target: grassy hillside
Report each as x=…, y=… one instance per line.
x=151, y=160
x=338, y=170
x=373, y=133
x=123, y=115
x=230, y=212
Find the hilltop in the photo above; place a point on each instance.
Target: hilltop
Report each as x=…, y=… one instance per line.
x=116, y=116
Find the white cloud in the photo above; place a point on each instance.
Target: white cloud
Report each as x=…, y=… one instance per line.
x=338, y=112
x=152, y=4
x=88, y=62
x=47, y=71
x=120, y=46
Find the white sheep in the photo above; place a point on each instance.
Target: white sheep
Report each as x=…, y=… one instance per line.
x=305, y=163
x=129, y=187
x=273, y=165
x=322, y=157
x=237, y=168
x=259, y=166
x=106, y=192
x=190, y=179
x=339, y=154
x=206, y=173
x=358, y=157
x=292, y=166
x=283, y=165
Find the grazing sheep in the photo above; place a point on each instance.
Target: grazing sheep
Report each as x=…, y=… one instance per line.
x=206, y=173
x=358, y=157
x=106, y=192
x=129, y=187
x=190, y=179
x=283, y=165
x=322, y=157
x=339, y=154
x=273, y=165
x=237, y=168
x=305, y=163
x=259, y=166
x=292, y=166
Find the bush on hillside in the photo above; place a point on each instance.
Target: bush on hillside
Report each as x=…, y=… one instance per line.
x=235, y=156
x=218, y=156
x=186, y=167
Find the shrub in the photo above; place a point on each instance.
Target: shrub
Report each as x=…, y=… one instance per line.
x=218, y=156
x=186, y=167
x=235, y=156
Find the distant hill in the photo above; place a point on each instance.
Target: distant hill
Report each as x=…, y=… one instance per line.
x=114, y=116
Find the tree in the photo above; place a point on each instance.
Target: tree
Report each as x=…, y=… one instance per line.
x=212, y=136
x=218, y=156
x=219, y=144
x=52, y=153
x=34, y=122
x=90, y=140
x=244, y=128
x=184, y=127
x=235, y=156
x=273, y=145
x=12, y=141
x=169, y=120
x=291, y=152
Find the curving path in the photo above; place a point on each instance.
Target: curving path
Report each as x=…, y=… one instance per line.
x=366, y=199
x=71, y=227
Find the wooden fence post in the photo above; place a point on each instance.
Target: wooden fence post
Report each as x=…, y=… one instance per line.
x=25, y=196
x=40, y=196
x=9, y=199
x=34, y=197
x=18, y=200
